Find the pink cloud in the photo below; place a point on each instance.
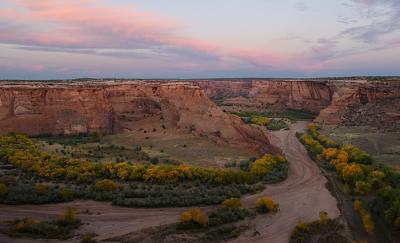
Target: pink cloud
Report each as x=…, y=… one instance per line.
x=86, y=24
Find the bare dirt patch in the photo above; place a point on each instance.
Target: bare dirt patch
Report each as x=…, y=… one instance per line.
x=383, y=146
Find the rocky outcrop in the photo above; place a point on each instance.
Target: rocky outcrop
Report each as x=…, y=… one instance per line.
x=348, y=102
x=363, y=103
x=112, y=107
x=270, y=95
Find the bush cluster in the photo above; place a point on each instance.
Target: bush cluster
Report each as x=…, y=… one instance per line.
x=106, y=185
x=259, y=120
x=266, y=205
x=193, y=218
x=368, y=224
x=358, y=172
x=276, y=125
x=56, y=229
x=225, y=215
x=182, y=195
x=27, y=193
x=21, y=152
x=270, y=168
x=325, y=230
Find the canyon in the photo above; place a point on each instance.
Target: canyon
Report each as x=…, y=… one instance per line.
x=137, y=109
x=352, y=102
x=114, y=107
x=111, y=106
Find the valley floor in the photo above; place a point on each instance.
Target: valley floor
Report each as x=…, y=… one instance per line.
x=301, y=197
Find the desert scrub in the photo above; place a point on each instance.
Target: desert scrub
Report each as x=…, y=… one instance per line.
x=266, y=205
x=81, y=138
x=360, y=175
x=270, y=168
x=224, y=215
x=21, y=152
x=366, y=218
x=26, y=193
x=132, y=195
x=322, y=230
x=3, y=190
x=56, y=229
x=276, y=125
x=193, y=218
x=181, y=195
x=106, y=185
x=231, y=203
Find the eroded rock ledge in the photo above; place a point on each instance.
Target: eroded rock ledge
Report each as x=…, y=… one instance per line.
x=111, y=107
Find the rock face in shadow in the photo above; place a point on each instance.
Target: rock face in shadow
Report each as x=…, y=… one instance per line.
x=113, y=107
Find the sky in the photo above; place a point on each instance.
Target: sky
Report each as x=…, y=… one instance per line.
x=63, y=39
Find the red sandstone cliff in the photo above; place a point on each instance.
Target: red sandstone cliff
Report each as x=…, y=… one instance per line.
x=348, y=102
x=110, y=107
x=267, y=95
x=361, y=102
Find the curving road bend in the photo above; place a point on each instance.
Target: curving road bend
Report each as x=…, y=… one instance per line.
x=301, y=197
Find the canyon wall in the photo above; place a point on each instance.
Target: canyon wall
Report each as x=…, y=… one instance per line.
x=117, y=106
x=270, y=95
x=349, y=102
x=112, y=107
x=363, y=103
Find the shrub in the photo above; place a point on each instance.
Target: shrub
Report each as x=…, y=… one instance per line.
x=69, y=216
x=3, y=190
x=357, y=155
x=41, y=189
x=323, y=217
x=266, y=205
x=66, y=194
x=231, y=203
x=351, y=172
x=58, y=229
x=259, y=120
x=266, y=164
x=227, y=215
x=7, y=180
x=193, y=218
x=376, y=177
x=362, y=187
x=276, y=125
x=365, y=217
x=106, y=185
x=88, y=239
x=330, y=154
x=314, y=147
x=326, y=141
x=323, y=230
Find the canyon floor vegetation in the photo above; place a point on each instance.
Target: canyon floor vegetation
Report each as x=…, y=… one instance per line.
x=367, y=191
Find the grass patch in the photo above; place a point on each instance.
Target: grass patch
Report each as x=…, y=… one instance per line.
x=294, y=115
x=75, y=139
x=276, y=125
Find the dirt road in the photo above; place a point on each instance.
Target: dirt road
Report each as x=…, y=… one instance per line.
x=301, y=197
